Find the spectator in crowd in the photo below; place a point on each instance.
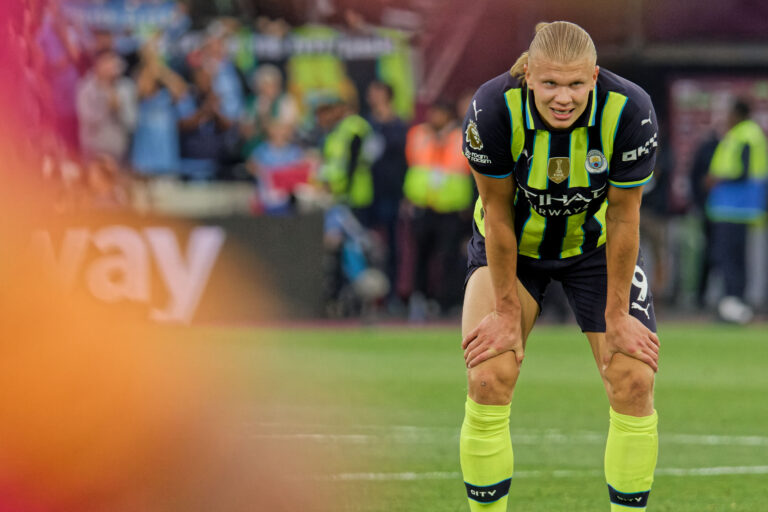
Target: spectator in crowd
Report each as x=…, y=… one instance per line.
x=737, y=199
x=204, y=129
x=225, y=78
x=346, y=168
x=345, y=173
x=437, y=188
x=155, y=148
x=268, y=103
x=278, y=164
x=61, y=47
x=387, y=150
x=106, y=108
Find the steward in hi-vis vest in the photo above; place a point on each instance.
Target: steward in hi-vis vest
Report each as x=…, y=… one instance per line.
x=738, y=172
x=438, y=176
x=439, y=191
x=736, y=199
x=346, y=169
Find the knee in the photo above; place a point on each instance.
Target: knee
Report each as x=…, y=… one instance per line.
x=629, y=383
x=492, y=383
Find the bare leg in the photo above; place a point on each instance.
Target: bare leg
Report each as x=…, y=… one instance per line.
x=628, y=381
x=487, y=459
x=493, y=381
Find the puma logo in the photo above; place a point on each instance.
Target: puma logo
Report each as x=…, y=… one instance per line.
x=635, y=305
x=474, y=106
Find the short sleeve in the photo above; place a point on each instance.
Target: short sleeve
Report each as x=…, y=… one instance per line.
x=487, y=132
x=634, y=153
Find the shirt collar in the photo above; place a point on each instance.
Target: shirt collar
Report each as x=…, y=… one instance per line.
x=533, y=119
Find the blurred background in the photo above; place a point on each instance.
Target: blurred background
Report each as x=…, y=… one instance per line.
x=290, y=140
x=283, y=175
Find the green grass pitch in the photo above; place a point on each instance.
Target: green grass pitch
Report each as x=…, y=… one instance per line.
x=382, y=408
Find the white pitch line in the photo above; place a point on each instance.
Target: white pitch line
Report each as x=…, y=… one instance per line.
x=714, y=439
x=454, y=475
x=715, y=471
x=412, y=434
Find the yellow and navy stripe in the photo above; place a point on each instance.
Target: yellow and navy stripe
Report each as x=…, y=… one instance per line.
x=549, y=236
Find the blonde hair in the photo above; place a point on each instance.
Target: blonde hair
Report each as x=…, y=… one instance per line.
x=559, y=41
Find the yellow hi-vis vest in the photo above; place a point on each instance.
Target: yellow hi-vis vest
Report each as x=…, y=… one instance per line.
x=726, y=162
x=357, y=192
x=438, y=175
x=741, y=196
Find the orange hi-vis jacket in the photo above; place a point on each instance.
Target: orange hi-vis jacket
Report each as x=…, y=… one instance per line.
x=438, y=175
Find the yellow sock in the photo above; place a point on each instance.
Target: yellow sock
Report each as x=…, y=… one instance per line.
x=486, y=456
x=630, y=459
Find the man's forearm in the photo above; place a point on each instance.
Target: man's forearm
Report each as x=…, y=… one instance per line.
x=622, y=244
x=501, y=251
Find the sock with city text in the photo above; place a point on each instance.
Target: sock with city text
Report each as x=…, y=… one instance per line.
x=630, y=460
x=486, y=456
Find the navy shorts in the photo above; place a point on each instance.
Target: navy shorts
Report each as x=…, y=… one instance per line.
x=584, y=279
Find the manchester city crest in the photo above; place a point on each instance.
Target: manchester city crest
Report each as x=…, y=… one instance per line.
x=596, y=162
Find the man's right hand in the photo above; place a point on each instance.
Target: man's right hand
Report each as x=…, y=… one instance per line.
x=495, y=334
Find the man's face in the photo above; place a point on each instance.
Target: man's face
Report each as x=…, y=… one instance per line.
x=268, y=87
x=329, y=115
x=438, y=117
x=561, y=91
x=377, y=96
x=109, y=67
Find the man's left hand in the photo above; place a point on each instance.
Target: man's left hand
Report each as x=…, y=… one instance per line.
x=625, y=334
